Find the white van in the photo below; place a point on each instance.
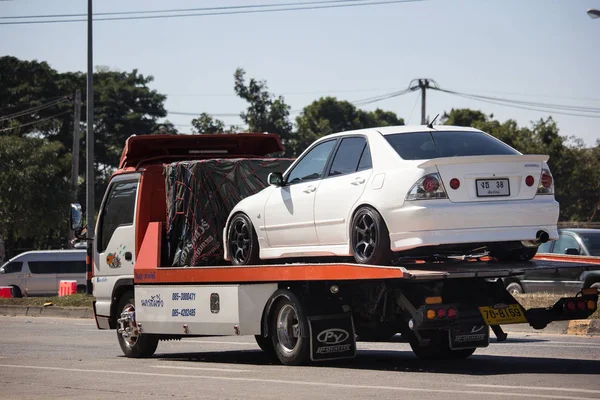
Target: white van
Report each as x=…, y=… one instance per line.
x=38, y=273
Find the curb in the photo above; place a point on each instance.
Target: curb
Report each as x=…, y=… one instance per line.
x=51, y=311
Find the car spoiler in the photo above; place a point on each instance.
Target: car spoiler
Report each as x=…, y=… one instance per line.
x=485, y=159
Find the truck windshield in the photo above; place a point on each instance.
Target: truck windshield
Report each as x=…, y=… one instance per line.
x=592, y=242
x=435, y=144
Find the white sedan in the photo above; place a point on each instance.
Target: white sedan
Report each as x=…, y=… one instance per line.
x=412, y=191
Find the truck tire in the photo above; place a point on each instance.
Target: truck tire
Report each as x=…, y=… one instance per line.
x=287, y=322
x=242, y=243
x=266, y=344
x=514, y=288
x=369, y=238
x=136, y=344
x=438, y=347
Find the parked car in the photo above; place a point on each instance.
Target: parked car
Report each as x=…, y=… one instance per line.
x=38, y=273
x=573, y=241
x=405, y=190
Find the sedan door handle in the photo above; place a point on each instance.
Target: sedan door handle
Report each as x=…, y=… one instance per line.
x=309, y=189
x=358, y=181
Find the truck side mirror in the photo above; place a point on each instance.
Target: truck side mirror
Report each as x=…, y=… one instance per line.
x=76, y=218
x=275, y=178
x=572, y=251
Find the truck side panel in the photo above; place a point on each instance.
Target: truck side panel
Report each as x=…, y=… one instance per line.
x=202, y=310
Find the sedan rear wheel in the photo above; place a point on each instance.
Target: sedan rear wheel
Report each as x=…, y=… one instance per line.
x=370, y=238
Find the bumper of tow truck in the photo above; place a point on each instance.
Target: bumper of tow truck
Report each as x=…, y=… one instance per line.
x=102, y=322
x=429, y=317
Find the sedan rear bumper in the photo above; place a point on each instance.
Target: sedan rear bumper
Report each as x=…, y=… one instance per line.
x=441, y=222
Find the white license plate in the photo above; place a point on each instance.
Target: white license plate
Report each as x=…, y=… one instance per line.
x=492, y=187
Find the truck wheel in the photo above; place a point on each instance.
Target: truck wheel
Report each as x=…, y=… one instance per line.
x=266, y=344
x=242, y=242
x=514, y=288
x=438, y=347
x=287, y=322
x=133, y=343
x=522, y=254
x=370, y=238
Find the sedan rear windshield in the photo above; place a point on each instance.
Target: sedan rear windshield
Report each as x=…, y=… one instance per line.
x=592, y=242
x=435, y=144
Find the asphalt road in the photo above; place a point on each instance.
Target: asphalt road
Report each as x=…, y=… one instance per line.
x=47, y=358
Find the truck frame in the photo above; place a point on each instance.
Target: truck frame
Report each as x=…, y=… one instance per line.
x=299, y=312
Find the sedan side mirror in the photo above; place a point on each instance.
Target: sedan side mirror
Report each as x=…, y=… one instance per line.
x=572, y=251
x=275, y=179
x=2, y=271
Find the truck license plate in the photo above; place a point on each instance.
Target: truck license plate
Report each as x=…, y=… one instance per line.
x=511, y=314
x=492, y=187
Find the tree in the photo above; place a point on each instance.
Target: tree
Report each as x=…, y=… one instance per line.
x=265, y=112
x=124, y=105
x=329, y=115
x=35, y=192
x=205, y=123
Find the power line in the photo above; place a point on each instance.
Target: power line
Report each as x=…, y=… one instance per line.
x=577, y=111
x=35, y=109
x=34, y=122
x=182, y=10
x=218, y=13
x=323, y=92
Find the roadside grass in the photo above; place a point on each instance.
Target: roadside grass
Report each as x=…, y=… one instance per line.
x=544, y=299
x=75, y=300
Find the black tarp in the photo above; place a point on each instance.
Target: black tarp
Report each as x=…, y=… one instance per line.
x=200, y=196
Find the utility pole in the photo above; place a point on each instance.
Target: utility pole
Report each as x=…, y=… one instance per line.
x=90, y=209
x=423, y=84
x=76, y=139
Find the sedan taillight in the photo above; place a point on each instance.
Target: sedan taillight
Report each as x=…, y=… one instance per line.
x=546, y=185
x=427, y=188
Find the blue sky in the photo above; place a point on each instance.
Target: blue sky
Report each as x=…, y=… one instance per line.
x=538, y=50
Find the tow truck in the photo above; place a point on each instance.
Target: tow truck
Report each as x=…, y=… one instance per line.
x=298, y=311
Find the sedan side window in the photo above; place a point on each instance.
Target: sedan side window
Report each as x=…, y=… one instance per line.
x=565, y=242
x=311, y=166
x=347, y=156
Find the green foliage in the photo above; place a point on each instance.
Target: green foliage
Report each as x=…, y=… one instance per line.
x=265, y=112
x=207, y=124
x=35, y=192
x=330, y=115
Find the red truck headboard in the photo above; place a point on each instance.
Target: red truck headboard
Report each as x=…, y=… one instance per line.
x=144, y=148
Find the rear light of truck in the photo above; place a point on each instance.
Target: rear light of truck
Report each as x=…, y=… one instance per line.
x=427, y=188
x=546, y=185
x=441, y=312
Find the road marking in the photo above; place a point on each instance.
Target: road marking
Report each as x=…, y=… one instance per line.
x=482, y=385
x=202, y=369
x=300, y=383
x=218, y=342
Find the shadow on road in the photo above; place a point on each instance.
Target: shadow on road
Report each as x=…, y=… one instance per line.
x=406, y=361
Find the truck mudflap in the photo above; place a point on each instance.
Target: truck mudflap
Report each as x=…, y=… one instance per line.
x=469, y=336
x=332, y=337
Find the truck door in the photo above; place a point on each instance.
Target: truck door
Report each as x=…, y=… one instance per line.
x=115, y=233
